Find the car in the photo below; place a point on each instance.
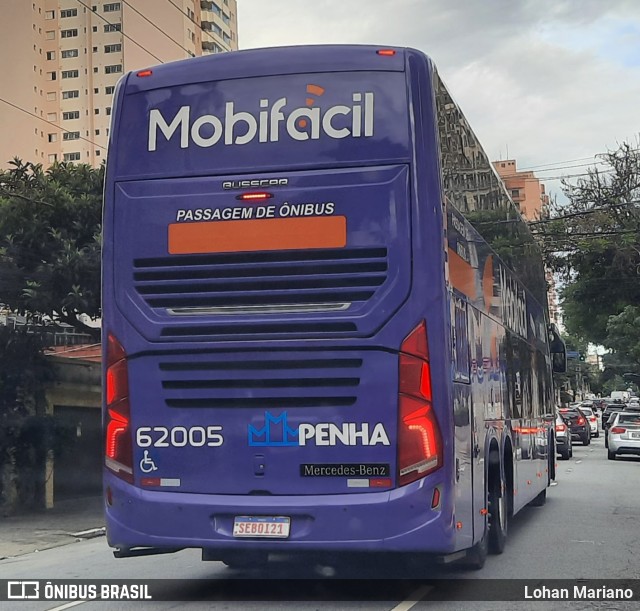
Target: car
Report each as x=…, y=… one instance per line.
x=607, y=425
x=578, y=424
x=590, y=415
x=564, y=446
x=608, y=409
x=624, y=435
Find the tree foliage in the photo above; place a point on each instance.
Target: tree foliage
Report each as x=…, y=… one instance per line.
x=623, y=335
x=26, y=431
x=50, y=223
x=593, y=242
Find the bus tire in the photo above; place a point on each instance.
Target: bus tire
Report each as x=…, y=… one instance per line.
x=551, y=459
x=476, y=556
x=540, y=500
x=498, y=516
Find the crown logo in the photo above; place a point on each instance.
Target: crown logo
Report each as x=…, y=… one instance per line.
x=275, y=433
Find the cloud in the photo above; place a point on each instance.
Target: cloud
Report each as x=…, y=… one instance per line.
x=553, y=80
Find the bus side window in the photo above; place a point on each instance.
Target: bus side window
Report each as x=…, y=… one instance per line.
x=461, y=364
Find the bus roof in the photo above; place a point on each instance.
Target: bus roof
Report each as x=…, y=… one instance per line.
x=268, y=62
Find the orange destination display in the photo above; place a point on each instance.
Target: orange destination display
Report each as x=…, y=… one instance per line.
x=253, y=235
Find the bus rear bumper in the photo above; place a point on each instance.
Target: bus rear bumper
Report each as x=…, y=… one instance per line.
x=397, y=520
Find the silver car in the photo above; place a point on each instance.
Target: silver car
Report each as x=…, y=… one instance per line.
x=624, y=435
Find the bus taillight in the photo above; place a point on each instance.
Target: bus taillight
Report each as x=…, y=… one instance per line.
x=118, y=447
x=419, y=441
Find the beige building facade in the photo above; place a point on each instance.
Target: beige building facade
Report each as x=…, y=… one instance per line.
x=61, y=60
x=527, y=192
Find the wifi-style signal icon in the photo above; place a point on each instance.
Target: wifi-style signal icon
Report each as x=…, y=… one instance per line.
x=314, y=90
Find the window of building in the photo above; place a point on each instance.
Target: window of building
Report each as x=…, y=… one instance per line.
x=67, y=95
x=52, y=116
x=51, y=96
x=51, y=55
x=109, y=90
x=96, y=111
x=71, y=136
x=97, y=132
x=72, y=156
x=515, y=192
x=51, y=76
x=113, y=48
x=112, y=27
x=225, y=18
x=97, y=153
x=53, y=158
x=69, y=74
x=95, y=28
x=67, y=53
x=114, y=69
x=72, y=114
x=111, y=7
x=50, y=35
x=96, y=90
x=69, y=33
x=95, y=49
x=49, y=15
x=70, y=12
x=52, y=137
x=108, y=110
x=226, y=37
x=214, y=27
x=95, y=70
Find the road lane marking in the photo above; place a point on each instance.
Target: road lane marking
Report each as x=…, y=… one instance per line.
x=69, y=605
x=413, y=599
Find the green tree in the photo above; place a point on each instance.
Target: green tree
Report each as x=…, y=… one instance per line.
x=50, y=223
x=26, y=431
x=594, y=243
x=623, y=335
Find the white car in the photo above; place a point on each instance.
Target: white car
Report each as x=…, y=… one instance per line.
x=593, y=420
x=624, y=435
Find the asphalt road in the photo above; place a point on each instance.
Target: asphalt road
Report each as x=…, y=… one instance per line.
x=587, y=529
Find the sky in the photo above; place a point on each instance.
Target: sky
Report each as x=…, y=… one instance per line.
x=549, y=83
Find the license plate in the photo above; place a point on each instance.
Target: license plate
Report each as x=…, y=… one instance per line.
x=635, y=435
x=274, y=527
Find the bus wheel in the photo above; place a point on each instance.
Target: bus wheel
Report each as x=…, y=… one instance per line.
x=540, y=500
x=476, y=556
x=498, y=518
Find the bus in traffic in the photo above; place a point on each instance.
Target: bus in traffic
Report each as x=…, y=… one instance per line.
x=324, y=321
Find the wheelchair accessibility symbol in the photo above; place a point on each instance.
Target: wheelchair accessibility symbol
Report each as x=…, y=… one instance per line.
x=146, y=464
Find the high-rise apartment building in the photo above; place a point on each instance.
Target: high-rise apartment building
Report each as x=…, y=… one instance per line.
x=526, y=191
x=530, y=196
x=61, y=59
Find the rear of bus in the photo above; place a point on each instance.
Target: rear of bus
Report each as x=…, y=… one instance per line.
x=276, y=328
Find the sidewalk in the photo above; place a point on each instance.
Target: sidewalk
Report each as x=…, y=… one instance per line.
x=67, y=522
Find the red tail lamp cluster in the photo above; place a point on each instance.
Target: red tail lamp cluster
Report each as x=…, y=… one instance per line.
x=419, y=440
x=118, y=444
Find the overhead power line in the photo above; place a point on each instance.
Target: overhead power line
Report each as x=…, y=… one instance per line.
x=583, y=212
x=133, y=8
x=121, y=30
x=193, y=21
x=51, y=123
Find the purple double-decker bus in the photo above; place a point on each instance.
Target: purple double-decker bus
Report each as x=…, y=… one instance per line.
x=324, y=321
